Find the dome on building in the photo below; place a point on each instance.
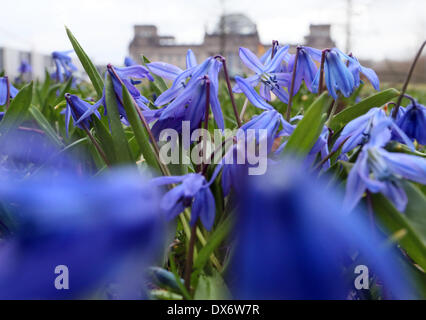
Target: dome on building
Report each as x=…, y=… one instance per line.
x=235, y=24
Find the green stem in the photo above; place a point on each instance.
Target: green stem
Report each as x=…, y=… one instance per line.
x=333, y=111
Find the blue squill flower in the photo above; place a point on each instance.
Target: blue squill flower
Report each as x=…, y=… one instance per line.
x=24, y=67
x=64, y=65
x=104, y=229
x=357, y=132
x=270, y=75
x=378, y=170
x=293, y=241
x=2, y=115
x=269, y=120
x=123, y=75
x=306, y=69
x=234, y=164
x=128, y=62
x=342, y=73
x=3, y=90
x=190, y=104
x=76, y=108
x=193, y=190
x=356, y=68
x=412, y=120
x=174, y=73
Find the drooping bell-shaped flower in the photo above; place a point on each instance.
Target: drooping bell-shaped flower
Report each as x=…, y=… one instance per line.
x=356, y=68
x=357, y=132
x=306, y=69
x=378, y=170
x=192, y=191
x=412, y=120
x=338, y=77
x=125, y=76
x=342, y=73
x=24, y=67
x=269, y=75
x=128, y=62
x=75, y=108
x=5, y=87
x=190, y=103
x=64, y=65
x=293, y=240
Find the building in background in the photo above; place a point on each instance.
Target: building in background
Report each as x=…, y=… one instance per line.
x=231, y=32
x=10, y=60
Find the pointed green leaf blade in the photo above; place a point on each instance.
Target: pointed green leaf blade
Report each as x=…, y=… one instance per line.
x=309, y=128
x=17, y=111
x=121, y=146
x=88, y=65
x=139, y=130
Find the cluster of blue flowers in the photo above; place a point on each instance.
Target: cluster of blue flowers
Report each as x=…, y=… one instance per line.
x=112, y=224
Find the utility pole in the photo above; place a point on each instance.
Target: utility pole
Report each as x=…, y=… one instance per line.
x=348, y=25
x=222, y=35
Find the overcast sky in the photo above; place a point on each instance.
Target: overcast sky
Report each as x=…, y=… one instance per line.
x=381, y=28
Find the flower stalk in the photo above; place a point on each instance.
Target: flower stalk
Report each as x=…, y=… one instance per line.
x=231, y=94
x=410, y=73
x=321, y=79
x=8, y=92
x=293, y=77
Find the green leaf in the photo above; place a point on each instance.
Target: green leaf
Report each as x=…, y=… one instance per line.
x=213, y=242
x=88, y=65
x=104, y=138
x=212, y=288
x=362, y=107
x=309, y=128
x=415, y=210
x=45, y=126
x=17, y=111
x=409, y=224
x=121, y=146
x=139, y=130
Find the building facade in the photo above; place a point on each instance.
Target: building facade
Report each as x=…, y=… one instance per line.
x=231, y=32
x=10, y=60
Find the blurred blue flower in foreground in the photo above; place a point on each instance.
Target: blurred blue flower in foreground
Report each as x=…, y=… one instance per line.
x=270, y=75
x=378, y=170
x=4, y=83
x=194, y=191
x=104, y=229
x=294, y=241
x=412, y=120
x=64, y=65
